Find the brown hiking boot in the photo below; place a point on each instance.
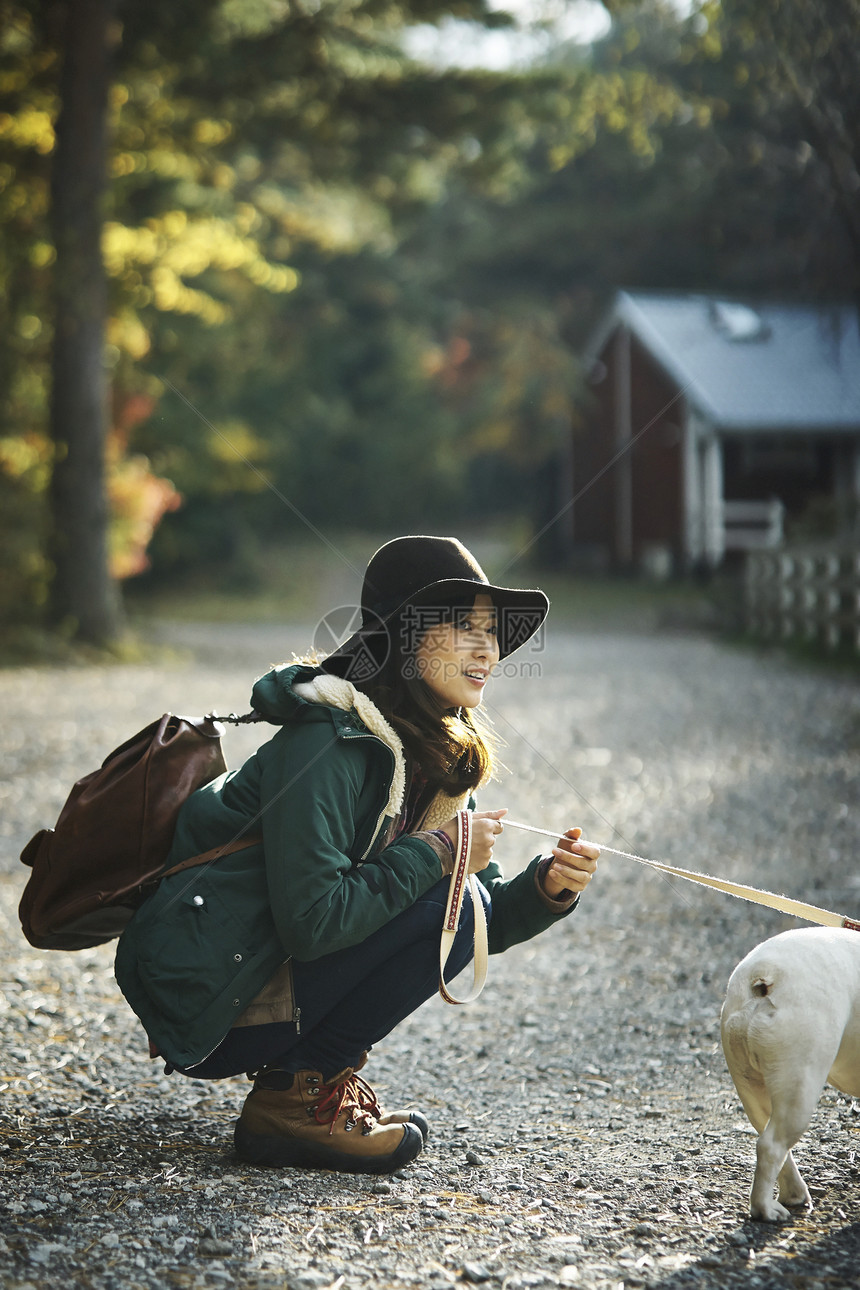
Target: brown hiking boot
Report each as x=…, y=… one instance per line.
x=371, y=1102
x=274, y=1077
x=315, y=1124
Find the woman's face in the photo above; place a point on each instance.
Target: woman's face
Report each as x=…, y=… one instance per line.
x=455, y=659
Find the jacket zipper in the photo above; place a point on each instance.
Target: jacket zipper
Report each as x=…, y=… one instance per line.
x=359, y=735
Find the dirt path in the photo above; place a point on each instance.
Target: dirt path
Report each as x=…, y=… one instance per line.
x=585, y=1131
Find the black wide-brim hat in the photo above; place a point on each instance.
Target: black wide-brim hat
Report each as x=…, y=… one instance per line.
x=426, y=572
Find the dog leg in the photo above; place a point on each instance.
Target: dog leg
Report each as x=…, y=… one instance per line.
x=755, y=1100
x=792, y=1109
x=793, y=1191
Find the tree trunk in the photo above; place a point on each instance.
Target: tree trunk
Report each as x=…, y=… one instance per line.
x=84, y=599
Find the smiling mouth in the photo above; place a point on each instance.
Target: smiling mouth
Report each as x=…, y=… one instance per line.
x=478, y=677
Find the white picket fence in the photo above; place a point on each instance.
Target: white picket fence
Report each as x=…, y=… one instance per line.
x=809, y=593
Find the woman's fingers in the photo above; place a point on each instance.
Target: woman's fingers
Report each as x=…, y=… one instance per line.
x=570, y=844
x=486, y=827
x=494, y=816
x=574, y=862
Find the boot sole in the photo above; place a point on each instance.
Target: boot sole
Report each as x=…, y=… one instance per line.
x=276, y=1152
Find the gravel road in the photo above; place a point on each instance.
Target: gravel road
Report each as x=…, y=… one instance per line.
x=584, y=1129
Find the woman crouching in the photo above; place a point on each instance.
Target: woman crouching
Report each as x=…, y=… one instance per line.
x=288, y=960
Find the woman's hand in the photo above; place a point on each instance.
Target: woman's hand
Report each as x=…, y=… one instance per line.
x=573, y=866
x=486, y=827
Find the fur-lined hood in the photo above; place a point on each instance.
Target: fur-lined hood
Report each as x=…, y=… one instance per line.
x=280, y=694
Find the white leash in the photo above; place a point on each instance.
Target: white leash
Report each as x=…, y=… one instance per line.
x=797, y=908
x=461, y=878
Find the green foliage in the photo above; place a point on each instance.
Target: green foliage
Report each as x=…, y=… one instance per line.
x=775, y=160
x=345, y=288
x=24, y=474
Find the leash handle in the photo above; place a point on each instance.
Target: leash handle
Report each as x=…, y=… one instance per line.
x=460, y=880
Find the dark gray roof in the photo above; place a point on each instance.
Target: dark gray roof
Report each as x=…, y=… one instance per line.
x=766, y=367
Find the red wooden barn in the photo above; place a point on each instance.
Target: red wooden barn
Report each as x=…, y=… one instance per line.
x=711, y=421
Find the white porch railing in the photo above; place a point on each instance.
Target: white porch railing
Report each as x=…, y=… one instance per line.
x=752, y=526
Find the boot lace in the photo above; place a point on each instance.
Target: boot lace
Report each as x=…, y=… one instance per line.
x=353, y=1096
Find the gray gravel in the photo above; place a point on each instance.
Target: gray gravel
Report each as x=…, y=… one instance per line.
x=584, y=1129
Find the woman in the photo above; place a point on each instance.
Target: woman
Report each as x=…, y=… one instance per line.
x=289, y=959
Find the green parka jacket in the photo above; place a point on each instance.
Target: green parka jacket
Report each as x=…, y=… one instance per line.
x=322, y=792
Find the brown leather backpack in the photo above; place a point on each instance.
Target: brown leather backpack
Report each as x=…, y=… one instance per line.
x=109, y=846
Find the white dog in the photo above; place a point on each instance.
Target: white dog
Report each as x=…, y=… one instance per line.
x=791, y=1024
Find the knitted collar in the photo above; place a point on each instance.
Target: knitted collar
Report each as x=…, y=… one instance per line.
x=336, y=692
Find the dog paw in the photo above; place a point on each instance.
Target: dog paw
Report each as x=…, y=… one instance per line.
x=768, y=1210
x=796, y=1199
x=770, y=1213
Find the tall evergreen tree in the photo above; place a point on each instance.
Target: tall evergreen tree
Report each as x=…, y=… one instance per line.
x=83, y=594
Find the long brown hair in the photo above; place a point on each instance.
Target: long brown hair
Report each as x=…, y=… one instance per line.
x=454, y=747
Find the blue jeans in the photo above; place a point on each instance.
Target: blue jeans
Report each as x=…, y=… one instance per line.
x=351, y=999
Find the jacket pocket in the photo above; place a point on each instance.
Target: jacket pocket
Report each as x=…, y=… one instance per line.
x=275, y=1003
x=190, y=955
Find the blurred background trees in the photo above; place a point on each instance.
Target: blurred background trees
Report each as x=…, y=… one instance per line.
x=339, y=278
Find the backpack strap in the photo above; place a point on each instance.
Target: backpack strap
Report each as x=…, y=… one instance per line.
x=214, y=854
x=239, y=844
x=246, y=719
